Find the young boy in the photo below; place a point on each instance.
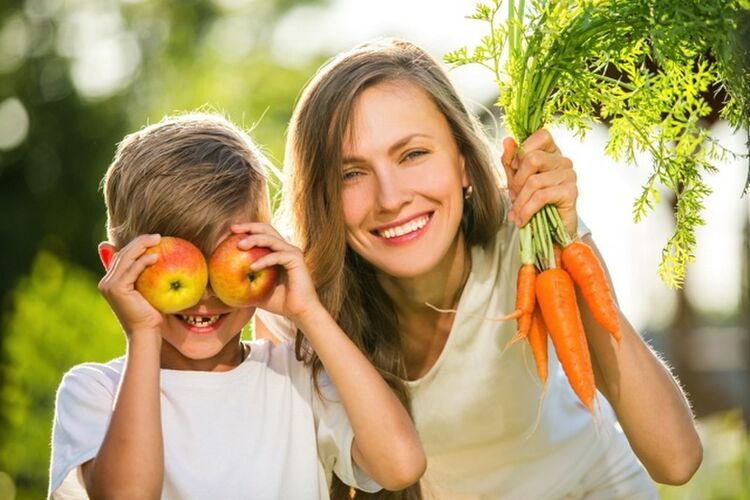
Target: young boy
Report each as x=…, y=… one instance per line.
x=191, y=411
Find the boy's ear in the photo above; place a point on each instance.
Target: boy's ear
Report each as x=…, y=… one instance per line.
x=106, y=252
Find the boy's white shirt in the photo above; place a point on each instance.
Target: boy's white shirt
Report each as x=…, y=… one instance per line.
x=258, y=431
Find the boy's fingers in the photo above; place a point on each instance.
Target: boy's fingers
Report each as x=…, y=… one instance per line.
x=123, y=258
x=284, y=259
x=130, y=275
x=255, y=228
x=271, y=242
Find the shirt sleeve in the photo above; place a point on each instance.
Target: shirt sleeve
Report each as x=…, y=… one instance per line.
x=583, y=229
x=335, y=436
x=83, y=409
x=280, y=327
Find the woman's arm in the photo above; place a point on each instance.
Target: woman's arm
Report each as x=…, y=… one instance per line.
x=385, y=445
x=648, y=401
x=130, y=462
x=650, y=405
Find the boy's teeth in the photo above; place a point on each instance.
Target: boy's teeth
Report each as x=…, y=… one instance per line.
x=200, y=321
x=411, y=226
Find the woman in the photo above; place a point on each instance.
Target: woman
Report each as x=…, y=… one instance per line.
x=393, y=199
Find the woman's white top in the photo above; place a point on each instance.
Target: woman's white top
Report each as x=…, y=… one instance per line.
x=476, y=409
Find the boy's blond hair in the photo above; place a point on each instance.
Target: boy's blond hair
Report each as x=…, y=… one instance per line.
x=186, y=176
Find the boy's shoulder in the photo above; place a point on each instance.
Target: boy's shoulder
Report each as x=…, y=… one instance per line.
x=90, y=383
x=280, y=357
x=92, y=372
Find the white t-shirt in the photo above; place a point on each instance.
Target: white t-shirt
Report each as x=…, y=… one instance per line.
x=257, y=431
x=476, y=408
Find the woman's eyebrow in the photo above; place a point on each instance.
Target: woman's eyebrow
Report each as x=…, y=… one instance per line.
x=394, y=147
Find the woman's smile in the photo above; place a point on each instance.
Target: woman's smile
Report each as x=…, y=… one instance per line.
x=404, y=231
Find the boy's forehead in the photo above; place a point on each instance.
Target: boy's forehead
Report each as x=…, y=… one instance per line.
x=241, y=217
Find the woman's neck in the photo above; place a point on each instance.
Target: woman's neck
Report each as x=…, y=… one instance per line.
x=440, y=287
x=424, y=331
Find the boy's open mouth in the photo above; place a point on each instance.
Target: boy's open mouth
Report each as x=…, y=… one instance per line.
x=200, y=321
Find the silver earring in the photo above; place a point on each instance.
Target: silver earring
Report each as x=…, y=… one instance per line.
x=468, y=191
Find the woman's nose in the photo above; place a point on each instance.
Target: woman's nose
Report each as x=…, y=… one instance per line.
x=392, y=192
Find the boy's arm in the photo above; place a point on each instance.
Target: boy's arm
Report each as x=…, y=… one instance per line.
x=130, y=462
x=385, y=445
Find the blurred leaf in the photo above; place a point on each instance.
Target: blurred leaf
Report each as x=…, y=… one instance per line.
x=59, y=320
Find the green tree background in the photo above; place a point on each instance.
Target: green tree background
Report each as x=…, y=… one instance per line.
x=171, y=56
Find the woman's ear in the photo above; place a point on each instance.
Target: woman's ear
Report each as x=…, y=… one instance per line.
x=465, y=181
x=106, y=252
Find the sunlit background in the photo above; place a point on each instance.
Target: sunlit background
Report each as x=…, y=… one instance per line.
x=77, y=75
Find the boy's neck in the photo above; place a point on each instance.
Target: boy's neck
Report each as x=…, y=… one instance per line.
x=229, y=357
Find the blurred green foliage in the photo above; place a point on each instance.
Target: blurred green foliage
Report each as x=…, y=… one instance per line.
x=159, y=57
x=59, y=320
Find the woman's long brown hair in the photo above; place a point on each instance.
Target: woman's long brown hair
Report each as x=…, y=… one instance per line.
x=347, y=284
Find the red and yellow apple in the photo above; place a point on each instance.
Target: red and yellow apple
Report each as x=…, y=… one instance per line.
x=178, y=279
x=231, y=278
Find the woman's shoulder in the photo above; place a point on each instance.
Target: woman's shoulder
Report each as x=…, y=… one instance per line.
x=498, y=254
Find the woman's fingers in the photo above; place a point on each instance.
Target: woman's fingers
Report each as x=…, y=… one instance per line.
x=541, y=140
x=556, y=187
x=510, y=146
x=534, y=162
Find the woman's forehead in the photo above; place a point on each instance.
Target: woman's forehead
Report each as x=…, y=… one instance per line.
x=386, y=113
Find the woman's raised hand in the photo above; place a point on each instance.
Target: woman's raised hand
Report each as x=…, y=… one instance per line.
x=538, y=174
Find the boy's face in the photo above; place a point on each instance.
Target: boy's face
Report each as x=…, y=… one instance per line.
x=205, y=337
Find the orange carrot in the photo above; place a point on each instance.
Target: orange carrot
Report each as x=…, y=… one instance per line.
x=538, y=342
x=525, y=302
x=558, y=255
x=556, y=296
x=587, y=272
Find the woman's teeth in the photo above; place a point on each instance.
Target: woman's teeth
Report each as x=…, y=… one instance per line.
x=409, y=227
x=200, y=321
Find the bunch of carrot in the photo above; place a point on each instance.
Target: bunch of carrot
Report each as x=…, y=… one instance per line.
x=546, y=299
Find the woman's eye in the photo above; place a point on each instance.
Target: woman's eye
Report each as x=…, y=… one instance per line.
x=351, y=174
x=411, y=155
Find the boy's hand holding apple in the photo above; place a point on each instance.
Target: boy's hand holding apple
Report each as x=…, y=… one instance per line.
x=118, y=286
x=295, y=294
x=170, y=275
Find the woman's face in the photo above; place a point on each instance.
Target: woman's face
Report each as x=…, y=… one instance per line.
x=402, y=180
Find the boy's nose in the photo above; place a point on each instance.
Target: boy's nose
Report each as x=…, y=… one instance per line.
x=208, y=292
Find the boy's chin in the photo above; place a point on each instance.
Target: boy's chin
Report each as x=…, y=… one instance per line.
x=202, y=354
